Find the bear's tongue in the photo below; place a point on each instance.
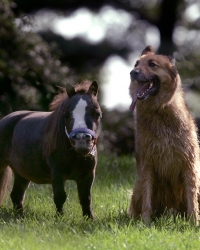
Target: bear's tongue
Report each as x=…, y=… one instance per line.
x=132, y=106
x=139, y=90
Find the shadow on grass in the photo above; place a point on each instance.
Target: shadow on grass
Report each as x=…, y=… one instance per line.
x=10, y=215
x=111, y=222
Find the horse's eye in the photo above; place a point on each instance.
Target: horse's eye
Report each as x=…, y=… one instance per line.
x=67, y=115
x=98, y=114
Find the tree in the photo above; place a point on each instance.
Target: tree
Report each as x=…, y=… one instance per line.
x=168, y=16
x=29, y=67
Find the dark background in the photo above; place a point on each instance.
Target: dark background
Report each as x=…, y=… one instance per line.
x=33, y=63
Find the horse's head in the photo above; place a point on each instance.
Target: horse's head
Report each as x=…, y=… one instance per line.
x=83, y=119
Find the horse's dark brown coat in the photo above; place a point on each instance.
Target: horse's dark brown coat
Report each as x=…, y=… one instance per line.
x=36, y=148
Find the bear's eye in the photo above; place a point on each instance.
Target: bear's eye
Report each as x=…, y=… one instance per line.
x=136, y=64
x=152, y=64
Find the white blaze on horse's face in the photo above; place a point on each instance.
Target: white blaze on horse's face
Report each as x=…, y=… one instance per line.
x=79, y=115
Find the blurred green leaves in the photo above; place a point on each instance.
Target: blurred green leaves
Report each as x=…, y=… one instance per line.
x=29, y=67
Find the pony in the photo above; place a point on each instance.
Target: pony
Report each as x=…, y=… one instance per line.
x=52, y=147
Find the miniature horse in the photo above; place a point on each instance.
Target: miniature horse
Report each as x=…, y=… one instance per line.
x=52, y=147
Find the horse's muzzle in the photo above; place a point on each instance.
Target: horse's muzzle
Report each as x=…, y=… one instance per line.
x=83, y=143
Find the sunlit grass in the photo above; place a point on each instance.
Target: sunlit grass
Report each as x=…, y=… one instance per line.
x=39, y=228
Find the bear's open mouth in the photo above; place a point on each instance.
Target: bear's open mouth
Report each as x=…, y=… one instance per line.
x=145, y=89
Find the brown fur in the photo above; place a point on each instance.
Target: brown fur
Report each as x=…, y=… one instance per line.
x=167, y=151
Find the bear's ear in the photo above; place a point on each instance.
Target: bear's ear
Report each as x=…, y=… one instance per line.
x=147, y=50
x=172, y=60
x=70, y=90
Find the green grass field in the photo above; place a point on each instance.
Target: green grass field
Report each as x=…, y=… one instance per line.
x=112, y=229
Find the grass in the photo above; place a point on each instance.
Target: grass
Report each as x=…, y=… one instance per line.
x=112, y=229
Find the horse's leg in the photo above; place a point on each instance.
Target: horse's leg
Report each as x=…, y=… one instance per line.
x=59, y=194
x=5, y=178
x=18, y=191
x=85, y=197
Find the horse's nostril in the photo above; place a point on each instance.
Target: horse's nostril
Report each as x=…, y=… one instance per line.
x=88, y=137
x=81, y=136
x=74, y=137
x=77, y=136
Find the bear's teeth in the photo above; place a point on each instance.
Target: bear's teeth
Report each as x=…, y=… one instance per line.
x=151, y=85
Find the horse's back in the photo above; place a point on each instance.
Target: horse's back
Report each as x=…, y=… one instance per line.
x=7, y=125
x=8, y=122
x=7, y=128
x=30, y=128
x=21, y=144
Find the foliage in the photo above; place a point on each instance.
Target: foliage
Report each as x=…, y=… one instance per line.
x=117, y=134
x=171, y=23
x=178, y=30
x=29, y=67
x=112, y=229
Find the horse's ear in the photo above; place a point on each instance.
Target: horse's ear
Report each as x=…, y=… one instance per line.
x=93, y=89
x=147, y=50
x=70, y=90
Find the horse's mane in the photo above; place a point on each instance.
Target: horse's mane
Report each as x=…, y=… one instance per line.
x=54, y=131
x=81, y=87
